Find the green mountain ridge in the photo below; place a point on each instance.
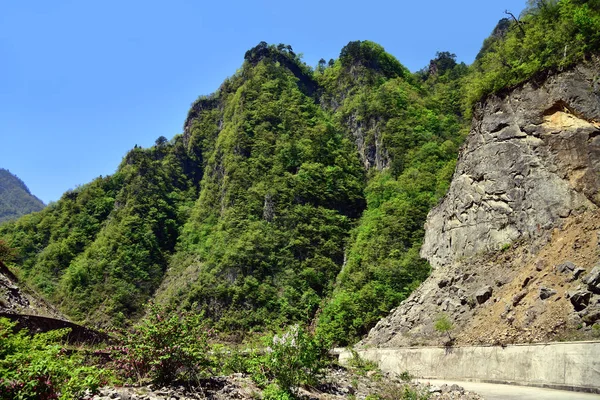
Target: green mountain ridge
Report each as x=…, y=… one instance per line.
x=293, y=195
x=15, y=198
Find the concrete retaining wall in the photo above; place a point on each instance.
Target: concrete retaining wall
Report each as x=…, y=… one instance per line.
x=571, y=366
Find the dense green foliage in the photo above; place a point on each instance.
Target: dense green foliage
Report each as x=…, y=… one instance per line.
x=418, y=137
x=38, y=367
x=165, y=348
x=6, y=253
x=295, y=358
x=101, y=250
x=281, y=189
x=549, y=35
x=169, y=347
x=294, y=195
x=15, y=198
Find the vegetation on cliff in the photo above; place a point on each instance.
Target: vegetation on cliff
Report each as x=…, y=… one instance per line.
x=549, y=35
x=408, y=139
x=295, y=197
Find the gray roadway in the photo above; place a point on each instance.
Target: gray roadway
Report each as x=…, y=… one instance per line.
x=492, y=391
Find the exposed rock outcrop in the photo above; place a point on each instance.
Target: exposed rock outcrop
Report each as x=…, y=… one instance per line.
x=515, y=242
x=367, y=137
x=17, y=299
x=531, y=160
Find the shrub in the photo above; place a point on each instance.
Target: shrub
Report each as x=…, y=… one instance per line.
x=39, y=367
x=410, y=393
x=406, y=376
x=443, y=325
x=164, y=349
x=596, y=330
x=295, y=358
x=274, y=392
x=360, y=365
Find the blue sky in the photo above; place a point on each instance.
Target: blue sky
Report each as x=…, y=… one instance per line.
x=82, y=82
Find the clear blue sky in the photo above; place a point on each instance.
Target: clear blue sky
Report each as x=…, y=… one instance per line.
x=82, y=82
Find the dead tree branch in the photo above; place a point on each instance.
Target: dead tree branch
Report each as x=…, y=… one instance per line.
x=519, y=23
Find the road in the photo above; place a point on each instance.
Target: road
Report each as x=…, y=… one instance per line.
x=492, y=391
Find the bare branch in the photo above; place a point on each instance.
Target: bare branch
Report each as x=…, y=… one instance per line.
x=519, y=23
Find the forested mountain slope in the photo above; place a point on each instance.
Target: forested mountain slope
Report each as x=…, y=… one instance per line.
x=15, y=198
x=293, y=195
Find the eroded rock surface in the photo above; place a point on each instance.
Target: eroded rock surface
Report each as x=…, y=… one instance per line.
x=532, y=159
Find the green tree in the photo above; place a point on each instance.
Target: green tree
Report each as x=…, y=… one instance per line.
x=444, y=325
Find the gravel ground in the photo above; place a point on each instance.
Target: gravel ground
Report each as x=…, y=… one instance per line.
x=338, y=383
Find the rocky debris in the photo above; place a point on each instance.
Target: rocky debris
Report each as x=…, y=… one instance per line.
x=529, y=162
x=443, y=283
x=15, y=298
x=580, y=299
x=515, y=312
x=566, y=267
x=339, y=383
x=593, y=280
x=451, y=392
x=577, y=273
x=518, y=297
x=546, y=293
x=236, y=386
x=591, y=316
x=482, y=295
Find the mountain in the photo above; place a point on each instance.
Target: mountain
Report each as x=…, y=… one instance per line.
x=294, y=194
x=15, y=198
x=283, y=178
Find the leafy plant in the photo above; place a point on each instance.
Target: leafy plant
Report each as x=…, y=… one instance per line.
x=274, y=392
x=406, y=376
x=39, y=366
x=360, y=365
x=596, y=330
x=295, y=358
x=165, y=348
x=443, y=324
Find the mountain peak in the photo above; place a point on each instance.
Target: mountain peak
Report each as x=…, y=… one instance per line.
x=15, y=198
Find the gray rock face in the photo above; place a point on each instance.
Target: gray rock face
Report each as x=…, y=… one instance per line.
x=566, y=267
x=483, y=294
x=532, y=158
x=580, y=299
x=593, y=280
x=546, y=293
x=367, y=137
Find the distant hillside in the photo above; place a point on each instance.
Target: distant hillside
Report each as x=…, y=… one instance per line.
x=15, y=198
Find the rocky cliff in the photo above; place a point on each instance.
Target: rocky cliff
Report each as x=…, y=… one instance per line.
x=531, y=160
x=15, y=298
x=515, y=241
